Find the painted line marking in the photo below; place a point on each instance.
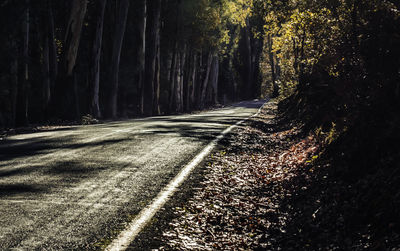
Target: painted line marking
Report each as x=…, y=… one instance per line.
x=126, y=237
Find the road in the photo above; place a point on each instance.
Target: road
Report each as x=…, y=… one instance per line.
x=70, y=188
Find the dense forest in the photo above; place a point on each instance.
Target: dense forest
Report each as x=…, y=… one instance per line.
x=119, y=58
x=115, y=58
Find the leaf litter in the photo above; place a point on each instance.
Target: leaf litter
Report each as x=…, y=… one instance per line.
x=267, y=188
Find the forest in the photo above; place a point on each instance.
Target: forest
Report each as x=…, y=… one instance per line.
x=66, y=59
x=62, y=60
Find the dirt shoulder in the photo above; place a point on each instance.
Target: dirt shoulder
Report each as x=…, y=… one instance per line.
x=268, y=188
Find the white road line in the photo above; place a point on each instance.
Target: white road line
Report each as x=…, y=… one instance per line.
x=126, y=237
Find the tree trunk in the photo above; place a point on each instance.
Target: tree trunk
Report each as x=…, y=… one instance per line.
x=275, y=92
x=53, y=69
x=206, y=80
x=233, y=80
x=23, y=87
x=46, y=71
x=180, y=81
x=156, y=101
x=177, y=83
x=120, y=25
x=14, y=80
x=214, y=78
x=193, y=84
x=249, y=82
x=154, y=10
x=258, y=44
x=64, y=99
x=200, y=79
x=73, y=34
x=95, y=65
x=172, y=79
x=142, y=53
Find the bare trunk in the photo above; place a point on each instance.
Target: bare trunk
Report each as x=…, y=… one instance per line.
x=181, y=71
x=172, y=79
x=233, y=80
x=52, y=48
x=200, y=79
x=22, y=97
x=142, y=53
x=156, y=108
x=275, y=92
x=46, y=72
x=72, y=37
x=302, y=64
x=14, y=79
x=156, y=101
x=177, y=84
x=96, y=55
x=193, y=85
x=65, y=101
x=296, y=55
x=214, y=79
x=154, y=10
x=120, y=25
x=206, y=80
x=49, y=57
x=248, y=62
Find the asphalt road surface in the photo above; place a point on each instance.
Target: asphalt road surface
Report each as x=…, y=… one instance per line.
x=69, y=188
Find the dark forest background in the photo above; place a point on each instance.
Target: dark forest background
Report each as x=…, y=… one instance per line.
x=119, y=58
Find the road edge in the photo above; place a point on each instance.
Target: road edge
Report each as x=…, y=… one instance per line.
x=127, y=236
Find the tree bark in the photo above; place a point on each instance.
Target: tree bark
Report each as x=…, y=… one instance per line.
x=177, y=100
x=14, y=80
x=200, y=79
x=23, y=87
x=49, y=58
x=180, y=81
x=95, y=64
x=193, y=84
x=156, y=101
x=53, y=70
x=120, y=26
x=172, y=79
x=154, y=10
x=275, y=92
x=206, y=80
x=65, y=100
x=46, y=71
x=142, y=53
x=214, y=78
x=73, y=34
x=249, y=81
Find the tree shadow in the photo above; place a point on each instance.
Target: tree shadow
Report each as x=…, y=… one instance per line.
x=70, y=172
x=10, y=190
x=201, y=128
x=12, y=149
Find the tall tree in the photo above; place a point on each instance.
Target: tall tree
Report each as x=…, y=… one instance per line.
x=65, y=95
x=95, y=61
x=23, y=87
x=271, y=57
x=120, y=27
x=154, y=12
x=49, y=55
x=206, y=80
x=142, y=51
